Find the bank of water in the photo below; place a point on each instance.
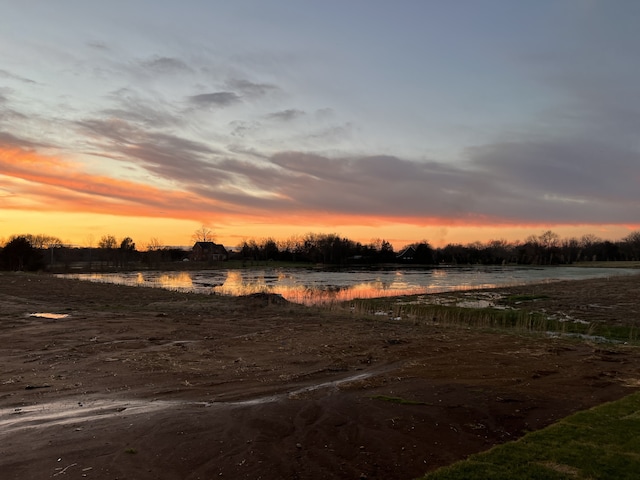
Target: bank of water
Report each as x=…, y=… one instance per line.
x=313, y=286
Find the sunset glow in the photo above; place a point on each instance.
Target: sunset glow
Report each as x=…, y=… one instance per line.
x=409, y=122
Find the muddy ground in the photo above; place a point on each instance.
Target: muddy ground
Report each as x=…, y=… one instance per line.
x=139, y=383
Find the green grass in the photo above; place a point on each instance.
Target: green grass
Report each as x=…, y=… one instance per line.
x=600, y=443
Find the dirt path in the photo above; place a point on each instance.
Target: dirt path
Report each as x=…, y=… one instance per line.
x=143, y=384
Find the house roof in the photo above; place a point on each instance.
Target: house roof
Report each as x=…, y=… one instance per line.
x=407, y=251
x=205, y=244
x=211, y=247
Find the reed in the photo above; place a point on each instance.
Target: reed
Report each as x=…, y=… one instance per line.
x=489, y=318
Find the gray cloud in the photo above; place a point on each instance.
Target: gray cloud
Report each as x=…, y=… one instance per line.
x=501, y=184
x=241, y=128
x=570, y=181
x=165, y=65
x=252, y=89
x=286, y=115
x=12, y=76
x=98, y=45
x=133, y=108
x=165, y=155
x=8, y=114
x=377, y=185
x=8, y=140
x=218, y=99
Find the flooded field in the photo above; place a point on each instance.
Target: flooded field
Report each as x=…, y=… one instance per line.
x=311, y=286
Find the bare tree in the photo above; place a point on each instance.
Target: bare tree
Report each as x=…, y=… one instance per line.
x=549, y=239
x=108, y=242
x=154, y=244
x=632, y=245
x=40, y=241
x=203, y=234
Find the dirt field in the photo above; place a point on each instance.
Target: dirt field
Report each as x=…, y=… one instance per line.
x=141, y=383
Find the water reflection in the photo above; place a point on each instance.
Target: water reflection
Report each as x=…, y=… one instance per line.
x=179, y=281
x=319, y=286
x=176, y=281
x=49, y=315
x=310, y=290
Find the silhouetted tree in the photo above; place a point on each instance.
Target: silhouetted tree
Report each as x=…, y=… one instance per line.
x=19, y=254
x=570, y=248
x=127, y=249
x=631, y=246
x=107, y=245
x=424, y=253
x=107, y=242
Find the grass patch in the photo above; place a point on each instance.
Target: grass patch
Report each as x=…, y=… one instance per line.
x=599, y=443
x=494, y=319
x=398, y=400
x=525, y=298
x=456, y=316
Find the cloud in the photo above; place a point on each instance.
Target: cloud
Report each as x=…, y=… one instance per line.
x=132, y=107
x=500, y=185
x=218, y=99
x=98, y=46
x=12, y=76
x=53, y=184
x=286, y=115
x=581, y=169
x=241, y=128
x=251, y=89
x=168, y=156
x=10, y=141
x=165, y=65
x=560, y=181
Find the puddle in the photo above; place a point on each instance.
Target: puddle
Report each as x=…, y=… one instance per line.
x=469, y=300
x=67, y=412
x=583, y=336
x=49, y=315
x=295, y=393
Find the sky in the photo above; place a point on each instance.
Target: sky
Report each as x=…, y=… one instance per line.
x=438, y=120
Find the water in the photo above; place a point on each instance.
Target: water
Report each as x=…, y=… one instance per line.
x=311, y=286
x=49, y=315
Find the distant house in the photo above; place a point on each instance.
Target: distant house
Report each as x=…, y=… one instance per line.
x=208, y=252
x=406, y=255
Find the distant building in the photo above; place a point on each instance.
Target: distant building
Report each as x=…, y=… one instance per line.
x=406, y=255
x=208, y=252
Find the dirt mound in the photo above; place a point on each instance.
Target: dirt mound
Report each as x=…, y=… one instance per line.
x=265, y=299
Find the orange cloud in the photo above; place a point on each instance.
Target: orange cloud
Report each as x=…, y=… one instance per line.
x=54, y=184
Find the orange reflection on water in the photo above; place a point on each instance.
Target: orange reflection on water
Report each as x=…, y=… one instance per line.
x=175, y=281
x=235, y=284
x=285, y=285
x=169, y=281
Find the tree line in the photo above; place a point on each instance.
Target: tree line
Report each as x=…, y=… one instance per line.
x=38, y=252
x=547, y=248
